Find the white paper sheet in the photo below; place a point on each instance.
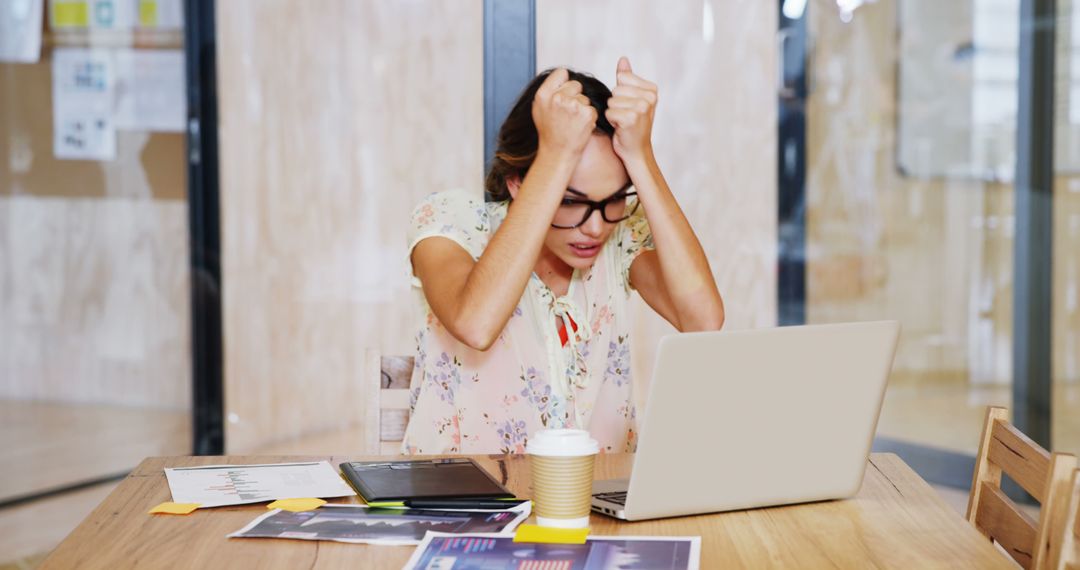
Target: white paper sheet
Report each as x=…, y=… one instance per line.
x=218, y=485
x=20, y=30
x=161, y=14
x=112, y=14
x=83, y=126
x=359, y=524
x=150, y=91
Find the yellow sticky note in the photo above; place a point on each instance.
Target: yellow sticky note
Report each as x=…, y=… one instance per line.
x=296, y=505
x=535, y=533
x=148, y=13
x=70, y=14
x=171, y=508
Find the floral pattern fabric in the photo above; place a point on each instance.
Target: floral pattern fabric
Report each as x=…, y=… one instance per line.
x=470, y=401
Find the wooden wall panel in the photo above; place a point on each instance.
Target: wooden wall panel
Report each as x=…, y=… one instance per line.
x=96, y=301
x=336, y=120
x=714, y=133
x=147, y=164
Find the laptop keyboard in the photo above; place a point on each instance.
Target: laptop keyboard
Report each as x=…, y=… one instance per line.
x=618, y=497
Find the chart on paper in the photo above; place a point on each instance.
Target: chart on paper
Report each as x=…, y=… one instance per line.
x=218, y=485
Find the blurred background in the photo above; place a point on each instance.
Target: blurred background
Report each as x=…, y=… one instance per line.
x=203, y=207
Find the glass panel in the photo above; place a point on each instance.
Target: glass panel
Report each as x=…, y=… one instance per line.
x=95, y=364
x=1065, y=303
x=911, y=118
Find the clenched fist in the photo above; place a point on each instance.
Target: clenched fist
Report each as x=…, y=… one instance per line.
x=564, y=117
x=630, y=111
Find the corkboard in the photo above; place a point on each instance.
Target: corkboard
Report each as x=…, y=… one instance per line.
x=147, y=164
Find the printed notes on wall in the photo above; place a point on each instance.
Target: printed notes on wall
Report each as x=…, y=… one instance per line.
x=151, y=94
x=20, y=31
x=97, y=92
x=115, y=14
x=83, y=126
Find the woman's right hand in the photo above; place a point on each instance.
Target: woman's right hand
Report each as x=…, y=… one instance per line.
x=564, y=117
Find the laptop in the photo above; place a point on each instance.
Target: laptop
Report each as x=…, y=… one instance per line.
x=755, y=418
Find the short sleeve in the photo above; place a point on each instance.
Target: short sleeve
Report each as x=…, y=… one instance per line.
x=456, y=215
x=635, y=237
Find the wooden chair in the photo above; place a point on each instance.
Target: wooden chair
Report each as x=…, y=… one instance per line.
x=387, y=410
x=1005, y=449
x=1065, y=550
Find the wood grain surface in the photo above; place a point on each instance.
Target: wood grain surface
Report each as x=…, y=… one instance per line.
x=328, y=141
x=895, y=521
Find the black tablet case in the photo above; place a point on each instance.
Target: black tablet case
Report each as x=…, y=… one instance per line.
x=378, y=481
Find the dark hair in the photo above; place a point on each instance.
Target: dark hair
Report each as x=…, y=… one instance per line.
x=518, y=140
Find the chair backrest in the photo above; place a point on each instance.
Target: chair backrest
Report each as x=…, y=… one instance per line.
x=1045, y=476
x=387, y=411
x=1065, y=543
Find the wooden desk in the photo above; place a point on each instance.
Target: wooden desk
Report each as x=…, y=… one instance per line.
x=896, y=521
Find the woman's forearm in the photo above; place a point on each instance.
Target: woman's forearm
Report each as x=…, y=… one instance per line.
x=684, y=268
x=497, y=281
x=474, y=300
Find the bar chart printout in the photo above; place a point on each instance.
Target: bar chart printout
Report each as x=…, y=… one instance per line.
x=219, y=485
x=441, y=551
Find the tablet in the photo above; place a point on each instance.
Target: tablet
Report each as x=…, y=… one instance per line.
x=378, y=481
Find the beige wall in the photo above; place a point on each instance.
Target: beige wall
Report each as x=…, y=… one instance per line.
x=335, y=122
x=715, y=130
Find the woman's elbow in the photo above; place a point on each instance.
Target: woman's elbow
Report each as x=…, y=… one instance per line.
x=717, y=314
x=716, y=322
x=702, y=323
x=475, y=337
x=711, y=319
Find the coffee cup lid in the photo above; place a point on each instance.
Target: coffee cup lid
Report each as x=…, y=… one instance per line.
x=562, y=443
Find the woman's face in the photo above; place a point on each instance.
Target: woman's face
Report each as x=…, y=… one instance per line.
x=599, y=174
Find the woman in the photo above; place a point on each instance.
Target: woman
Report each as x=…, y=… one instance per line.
x=526, y=296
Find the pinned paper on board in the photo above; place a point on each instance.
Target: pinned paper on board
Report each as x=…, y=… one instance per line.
x=150, y=91
x=93, y=14
x=83, y=126
x=69, y=14
x=161, y=14
x=20, y=30
x=112, y=14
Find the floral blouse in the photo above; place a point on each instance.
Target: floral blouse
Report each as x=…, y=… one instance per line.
x=470, y=401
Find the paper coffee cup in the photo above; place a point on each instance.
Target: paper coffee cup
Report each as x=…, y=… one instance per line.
x=562, y=476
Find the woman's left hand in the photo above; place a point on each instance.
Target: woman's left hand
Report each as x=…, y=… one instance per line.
x=630, y=110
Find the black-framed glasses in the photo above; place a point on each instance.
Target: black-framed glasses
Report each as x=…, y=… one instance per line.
x=574, y=212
